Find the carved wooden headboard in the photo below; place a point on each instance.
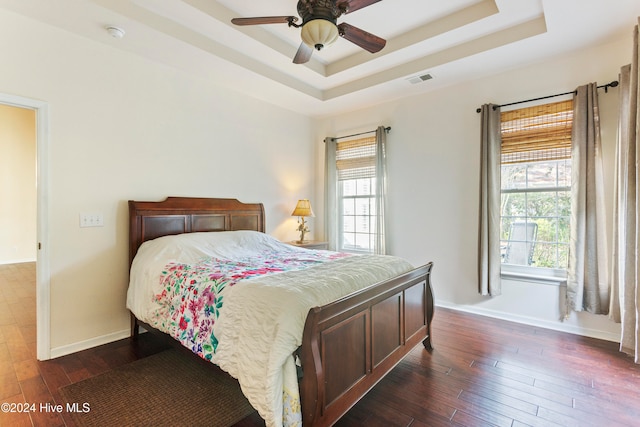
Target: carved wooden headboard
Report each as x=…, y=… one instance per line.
x=177, y=215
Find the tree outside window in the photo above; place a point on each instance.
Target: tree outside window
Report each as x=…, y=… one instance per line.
x=536, y=186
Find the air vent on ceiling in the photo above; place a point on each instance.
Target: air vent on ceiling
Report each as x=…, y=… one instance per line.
x=420, y=79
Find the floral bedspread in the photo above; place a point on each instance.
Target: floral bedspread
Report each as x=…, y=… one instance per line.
x=248, y=320
x=193, y=295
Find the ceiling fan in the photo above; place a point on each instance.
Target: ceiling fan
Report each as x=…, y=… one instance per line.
x=319, y=28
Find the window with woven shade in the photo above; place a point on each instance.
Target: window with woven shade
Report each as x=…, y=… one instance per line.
x=356, y=173
x=356, y=158
x=537, y=133
x=536, y=185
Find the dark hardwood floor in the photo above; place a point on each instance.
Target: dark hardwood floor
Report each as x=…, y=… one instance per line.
x=482, y=372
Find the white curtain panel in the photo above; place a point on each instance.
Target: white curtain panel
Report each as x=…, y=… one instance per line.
x=381, y=190
x=331, y=194
x=587, y=275
x=625, y=301
x=489, y=262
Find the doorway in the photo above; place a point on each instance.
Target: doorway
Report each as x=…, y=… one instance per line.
x=41, y=219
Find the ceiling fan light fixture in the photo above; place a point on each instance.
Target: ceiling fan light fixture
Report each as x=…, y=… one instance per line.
x=319, y=33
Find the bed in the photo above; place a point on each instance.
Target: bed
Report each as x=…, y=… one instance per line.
x=348, y=343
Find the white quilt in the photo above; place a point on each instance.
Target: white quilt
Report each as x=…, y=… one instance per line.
x=262, y=319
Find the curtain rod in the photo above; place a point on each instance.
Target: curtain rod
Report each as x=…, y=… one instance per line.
x=387, y=129
x=606, y=89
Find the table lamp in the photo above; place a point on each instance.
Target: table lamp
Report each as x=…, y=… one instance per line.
x=302, y=210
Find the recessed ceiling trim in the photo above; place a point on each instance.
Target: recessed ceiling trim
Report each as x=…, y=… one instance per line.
x=195, y=39
x=177, y=30
x=494, y=40
x=465, y=16
x=431, y=29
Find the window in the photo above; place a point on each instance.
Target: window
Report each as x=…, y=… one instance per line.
x=536, y=186
x=357, y=199
x=356, y=174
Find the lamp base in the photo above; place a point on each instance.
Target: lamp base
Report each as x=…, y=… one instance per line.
x=302, y=228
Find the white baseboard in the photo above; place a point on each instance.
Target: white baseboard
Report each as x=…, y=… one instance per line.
x=17, y=261
x=90, y=343
x=556, y=326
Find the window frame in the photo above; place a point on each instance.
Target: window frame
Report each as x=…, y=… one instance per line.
x=341, y=217
x=535, y=114
x=527, y=271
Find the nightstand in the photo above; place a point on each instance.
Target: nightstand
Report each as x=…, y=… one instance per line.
x=310, y=244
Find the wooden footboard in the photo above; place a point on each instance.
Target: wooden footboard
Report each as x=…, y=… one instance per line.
x=350, y=344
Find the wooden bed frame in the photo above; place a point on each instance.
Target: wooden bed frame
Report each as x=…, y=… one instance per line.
x=347, y=345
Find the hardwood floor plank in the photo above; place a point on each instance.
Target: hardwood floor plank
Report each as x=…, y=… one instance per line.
x=500, y=403
x=486, y=413
x=24, y=311
x=54, y=376
x=94, y=362
x=79, y=375
x=8, y=293
x=385, y=416
x=36, y=392
x=505, y=409
x=6, y=316
x=419, y=408
x=355, y=417
x=430, y=411
x=15, y=343
x=26, y=369
x=568, y=420
x=516, y=388
x=609, y=404
x=68, y=365
x=18, y=418
x=6, y=364
x=502, y=384
x=497, y=399
x=9, y=386
x=523, y=377
x=466, y=419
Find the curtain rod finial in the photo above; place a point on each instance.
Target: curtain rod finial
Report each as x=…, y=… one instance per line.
x=608, y=85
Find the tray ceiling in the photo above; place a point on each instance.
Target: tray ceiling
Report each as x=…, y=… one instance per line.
x=452, y=41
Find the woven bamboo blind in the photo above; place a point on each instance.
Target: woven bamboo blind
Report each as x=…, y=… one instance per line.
x=539, y=133
x=356, y=158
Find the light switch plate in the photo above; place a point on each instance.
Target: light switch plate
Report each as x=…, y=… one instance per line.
x=91, y=220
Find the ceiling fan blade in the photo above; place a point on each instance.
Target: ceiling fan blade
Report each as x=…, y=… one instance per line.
x=264, y=20
x=353, y=5
x=303, y=54
x=365, y=40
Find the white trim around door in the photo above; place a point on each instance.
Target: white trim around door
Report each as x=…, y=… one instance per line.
x=43, y=307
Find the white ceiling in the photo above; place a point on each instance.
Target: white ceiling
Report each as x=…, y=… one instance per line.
x=452, y=40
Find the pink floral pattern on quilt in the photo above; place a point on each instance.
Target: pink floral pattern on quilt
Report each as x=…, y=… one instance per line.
x=193, y=294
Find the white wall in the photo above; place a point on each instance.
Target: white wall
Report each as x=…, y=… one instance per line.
x=433, y=164
x=122, y=127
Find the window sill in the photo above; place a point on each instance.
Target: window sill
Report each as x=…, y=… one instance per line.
x=534, y=278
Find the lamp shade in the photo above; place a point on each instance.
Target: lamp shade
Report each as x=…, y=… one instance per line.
x=318, y=33
x=303, y=208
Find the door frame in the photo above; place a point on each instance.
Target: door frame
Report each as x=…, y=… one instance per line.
x=43, y=290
